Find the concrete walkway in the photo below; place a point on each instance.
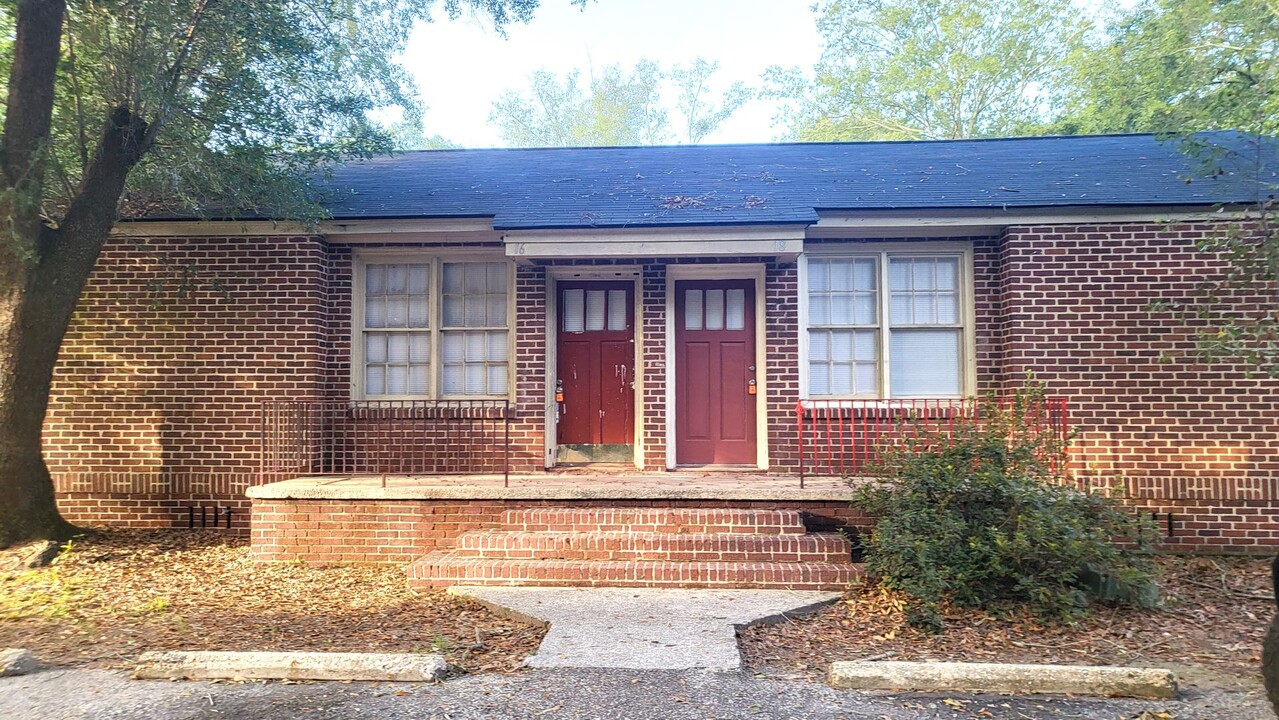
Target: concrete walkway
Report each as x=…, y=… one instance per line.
x=640, y=628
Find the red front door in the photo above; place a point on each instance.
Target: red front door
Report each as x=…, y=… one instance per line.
x=596, y=370
x=715, y=372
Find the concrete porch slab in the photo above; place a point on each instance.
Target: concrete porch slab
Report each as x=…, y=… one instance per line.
x=642, y=629
x=557, y=486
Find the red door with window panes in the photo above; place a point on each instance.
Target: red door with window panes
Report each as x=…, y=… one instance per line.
x=596, y=368
x=715, y=372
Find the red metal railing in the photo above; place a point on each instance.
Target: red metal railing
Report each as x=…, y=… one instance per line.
x=392, y=437
x=844, y=437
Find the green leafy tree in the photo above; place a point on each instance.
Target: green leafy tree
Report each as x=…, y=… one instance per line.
x=930, y=69
x=615, y=107
x=1173, y=66
x=168, y=103
x=701, y=113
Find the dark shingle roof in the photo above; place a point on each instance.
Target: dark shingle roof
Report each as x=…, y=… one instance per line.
x=789, y=183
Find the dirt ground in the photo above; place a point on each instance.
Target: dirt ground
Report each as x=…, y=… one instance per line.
x=114, y=594
x=117, y=593
x=1209, y=630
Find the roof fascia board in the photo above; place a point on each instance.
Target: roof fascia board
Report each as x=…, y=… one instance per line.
x=359, y=230
x=941, y=223
x=784, y=241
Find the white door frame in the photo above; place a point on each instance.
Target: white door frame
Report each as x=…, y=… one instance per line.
x=555, y=274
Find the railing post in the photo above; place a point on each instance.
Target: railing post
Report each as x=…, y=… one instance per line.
x=799, y=417
x=506, y=443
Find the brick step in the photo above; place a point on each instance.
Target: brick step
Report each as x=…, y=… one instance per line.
x=444, y=568
x=689, y=547
x=703, y=521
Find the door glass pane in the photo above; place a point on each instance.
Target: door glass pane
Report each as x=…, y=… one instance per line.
x=574, y=310
x=692, y=309
x=735, y=313
x=616, y=309
x=925, y=362
x=594, y=310
x=714, y=309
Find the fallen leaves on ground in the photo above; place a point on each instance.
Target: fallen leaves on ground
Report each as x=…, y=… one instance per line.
x=1214, y=616
x=120, y=592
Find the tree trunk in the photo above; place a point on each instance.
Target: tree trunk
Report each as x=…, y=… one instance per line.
x=37, y=299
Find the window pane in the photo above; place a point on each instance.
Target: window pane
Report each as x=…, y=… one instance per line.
x=418, y=278
x=818, y=275
x=574, y=311
x=420, y=350
x=841, y=275
x=901, y=309
x=594, y=310
x=397, y=380
x=714, y=309
x=476, y=310
x=841, y=345
x=692, y=309
x=398, y=348
x=375, y=380
x=922, y=274
x=475, y=379
x=841, y=380
x=418, y=378
x=497, y=347
x=947, y=308
x=925, y=362
x=397, y=311
x=497, y=380
x=819, y=344
x=864, y=275
x=617, y=309
x=735, y=313
x=925, y=309
x=397, y=279
x=868, y=379
x=454, y=278
x=454, y=310
x=453, y=347
x=947, y=273
x=374, y=347
x=496, y=310
x=819, y=310
x=375, y=312
x=898, y=274
x=864, y=311
x=375, y=280
x=841, y=309
x=818, y=378
x=866, y=346
x=454, y=379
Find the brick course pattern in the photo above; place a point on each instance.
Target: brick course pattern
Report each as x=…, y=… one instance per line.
x=156, y=398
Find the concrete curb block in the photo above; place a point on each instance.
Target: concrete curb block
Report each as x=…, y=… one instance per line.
x=392, y=667
x=17, y=661
x=1002, y=678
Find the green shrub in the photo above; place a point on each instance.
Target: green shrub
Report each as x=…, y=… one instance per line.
x=978, y=515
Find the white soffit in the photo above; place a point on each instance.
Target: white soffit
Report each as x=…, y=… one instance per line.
x=785, y=242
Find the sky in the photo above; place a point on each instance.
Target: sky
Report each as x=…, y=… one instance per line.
x=462, y=66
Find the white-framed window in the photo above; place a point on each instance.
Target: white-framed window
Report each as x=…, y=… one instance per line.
x=430, y=327
x=886, y=324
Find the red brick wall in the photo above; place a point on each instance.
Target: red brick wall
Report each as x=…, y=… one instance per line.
x=1173, y=434
x=155, y=399
x=396, y=531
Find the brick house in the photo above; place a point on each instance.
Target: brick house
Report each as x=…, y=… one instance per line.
x=634, y=337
